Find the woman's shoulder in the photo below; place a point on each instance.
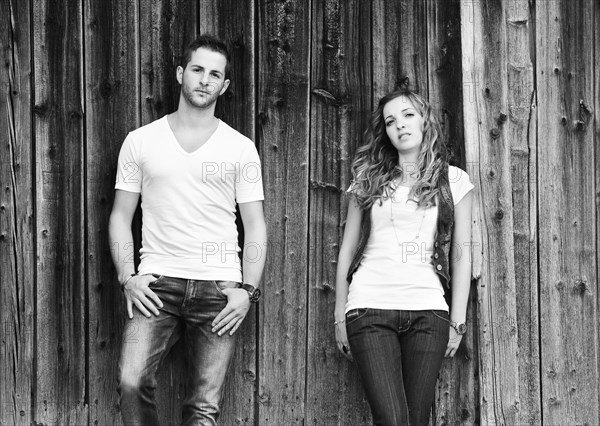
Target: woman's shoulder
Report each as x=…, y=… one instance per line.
x=460, y=183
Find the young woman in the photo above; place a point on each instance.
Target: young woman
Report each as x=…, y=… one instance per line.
x=409, y=213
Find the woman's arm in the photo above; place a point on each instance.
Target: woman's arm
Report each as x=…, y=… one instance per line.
x=349, y=243
x=460, y=255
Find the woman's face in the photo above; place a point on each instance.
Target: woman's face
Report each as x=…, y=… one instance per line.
x=404, y=125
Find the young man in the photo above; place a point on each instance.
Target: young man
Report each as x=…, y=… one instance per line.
x=190, y=169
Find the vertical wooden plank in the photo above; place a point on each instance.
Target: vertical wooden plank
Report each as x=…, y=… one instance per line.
x=112, y=105
x=17, y=234
x=596, y=141
x=340, y=111
x=399, y=45
x=488, y=154
x=567, y=212
x=169, y=25
x=60, y=367
x=283, y=138
x=456, y=399
x=522, y=133
x=234, y=22
x=445, y=72
x=173, y=25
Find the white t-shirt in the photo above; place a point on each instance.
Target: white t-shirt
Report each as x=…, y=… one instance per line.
x=189, y=199
x=396, y=272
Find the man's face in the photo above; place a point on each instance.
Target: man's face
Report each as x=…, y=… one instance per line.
x=203, y=80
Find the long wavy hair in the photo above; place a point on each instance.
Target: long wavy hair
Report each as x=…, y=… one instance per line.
x=375, y=165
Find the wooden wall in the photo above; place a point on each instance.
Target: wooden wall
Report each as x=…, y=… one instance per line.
x=517, y=84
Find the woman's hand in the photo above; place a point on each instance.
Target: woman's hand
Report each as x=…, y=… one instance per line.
x=342, y=339
x=453, y=343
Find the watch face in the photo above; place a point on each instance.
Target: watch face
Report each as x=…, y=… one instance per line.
x=255, y=295
x=461, y=328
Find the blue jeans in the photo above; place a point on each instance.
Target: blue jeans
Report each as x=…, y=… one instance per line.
x=398, y=355
x=189, y=308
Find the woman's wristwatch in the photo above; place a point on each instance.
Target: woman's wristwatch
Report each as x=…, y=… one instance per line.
x=253, y=292
x=460, y=327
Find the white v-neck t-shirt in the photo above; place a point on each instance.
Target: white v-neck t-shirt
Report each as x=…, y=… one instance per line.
x=189, y=199
x=396, y=272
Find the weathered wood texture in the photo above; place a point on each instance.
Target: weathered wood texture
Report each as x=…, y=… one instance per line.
x=517, y=79
x=567, y=211
x=521, y=134
x=488, y=153
x=17, y=249
x=339, y=111
x=457, y=392
x=60, y=311
x=112, y=94
x=283, y=138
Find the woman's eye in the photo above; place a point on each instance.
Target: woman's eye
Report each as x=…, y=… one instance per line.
x=389, y=123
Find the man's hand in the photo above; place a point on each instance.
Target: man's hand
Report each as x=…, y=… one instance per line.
x=137, y=293
x=232, y=315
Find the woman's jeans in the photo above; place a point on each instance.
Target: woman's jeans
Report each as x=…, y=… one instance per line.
x=189, y=308
x=398, y=355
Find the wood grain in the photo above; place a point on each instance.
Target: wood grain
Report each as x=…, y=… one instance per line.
x=567, y=212
x=488, y=151
x=456, y=399
x=340, y=110
x=60, y=302
x=399, y=45
x=112, y=93
x=17, y=232
x=522, y=135
x=283, y=139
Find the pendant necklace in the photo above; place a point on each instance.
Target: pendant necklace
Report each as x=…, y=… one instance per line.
x=416, y=237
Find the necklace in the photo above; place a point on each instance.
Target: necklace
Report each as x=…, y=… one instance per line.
x=416, y=237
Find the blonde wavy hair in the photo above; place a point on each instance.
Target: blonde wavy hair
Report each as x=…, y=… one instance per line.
x=375, y=165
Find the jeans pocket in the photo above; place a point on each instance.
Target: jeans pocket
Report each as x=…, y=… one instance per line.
x=222, y=285
x=355, y=314
x=156, y=282
x=443, y=315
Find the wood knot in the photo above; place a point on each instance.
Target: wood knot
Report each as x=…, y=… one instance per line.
x=248, y=376
x=503, y=117
x=563, y=120
x=581, y=286
x=105, y=88
x=499, y=214
x=495, y=133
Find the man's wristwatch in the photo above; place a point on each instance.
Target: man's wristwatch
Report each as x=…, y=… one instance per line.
x=253, y=292
x=460, y=327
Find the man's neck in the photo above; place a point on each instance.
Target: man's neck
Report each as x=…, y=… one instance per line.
x=193, y=118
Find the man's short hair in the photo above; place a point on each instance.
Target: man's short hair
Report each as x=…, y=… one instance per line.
x=209, y=42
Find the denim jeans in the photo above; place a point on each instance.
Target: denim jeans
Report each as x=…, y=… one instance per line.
x=398, y=355
x=189, y=308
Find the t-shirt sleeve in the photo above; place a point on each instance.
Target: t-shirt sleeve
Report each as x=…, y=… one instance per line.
x=129, y=172
x=249, y=186
x=460, y=184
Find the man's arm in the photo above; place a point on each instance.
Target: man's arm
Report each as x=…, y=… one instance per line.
x=121, y=242
x=254, y=256
x=255, y=241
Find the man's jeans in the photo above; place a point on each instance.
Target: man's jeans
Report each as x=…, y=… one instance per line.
x=189, y=308
x=398, y=355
